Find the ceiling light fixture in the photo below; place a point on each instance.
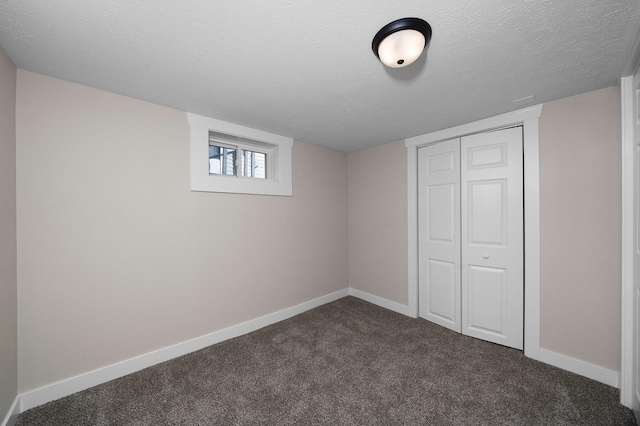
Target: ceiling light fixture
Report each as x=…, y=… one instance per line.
x=401, y=42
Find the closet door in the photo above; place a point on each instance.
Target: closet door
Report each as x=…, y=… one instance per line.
x=492, y=236
x=439, y=233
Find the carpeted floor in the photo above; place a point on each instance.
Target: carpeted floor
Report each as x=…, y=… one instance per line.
x=348, y=362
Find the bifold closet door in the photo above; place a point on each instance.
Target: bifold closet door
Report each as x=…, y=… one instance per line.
x=492, y=237
x=439, y=233
x=470, y=222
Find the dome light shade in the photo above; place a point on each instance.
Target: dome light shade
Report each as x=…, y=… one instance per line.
x=401, y=42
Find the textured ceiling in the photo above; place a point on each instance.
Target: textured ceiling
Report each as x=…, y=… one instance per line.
x=306, y=69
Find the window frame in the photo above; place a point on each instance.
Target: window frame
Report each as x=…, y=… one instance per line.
x=277, y=148
x=255, y=150
x=226, y=145
x=240, y=149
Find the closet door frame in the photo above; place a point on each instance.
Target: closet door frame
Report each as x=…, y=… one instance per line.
x=528, y=118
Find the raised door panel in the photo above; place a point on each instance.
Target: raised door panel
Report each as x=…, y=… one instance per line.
x=482, y=157
x=487, y=212
x=441, y=290
x=439, y=233
x=438, y=163
x=488, y=298
x=441, y=202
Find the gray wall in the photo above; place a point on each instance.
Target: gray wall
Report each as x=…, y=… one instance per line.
x=8, y=281
x=117, y=257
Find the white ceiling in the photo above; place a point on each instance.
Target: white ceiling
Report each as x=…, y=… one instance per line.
x=306, y=70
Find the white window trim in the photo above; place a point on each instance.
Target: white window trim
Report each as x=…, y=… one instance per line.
x=278, y=182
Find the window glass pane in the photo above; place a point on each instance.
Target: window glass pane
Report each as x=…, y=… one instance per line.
x=222, y=160
x=254, y=164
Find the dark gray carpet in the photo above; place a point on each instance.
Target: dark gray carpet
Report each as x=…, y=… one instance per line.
x=348, y=362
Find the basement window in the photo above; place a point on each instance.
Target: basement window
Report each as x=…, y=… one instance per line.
x=254, y=164
x=238, y=159
x=222, y=160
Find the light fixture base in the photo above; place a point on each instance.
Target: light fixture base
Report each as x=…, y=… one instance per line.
x=401, y=42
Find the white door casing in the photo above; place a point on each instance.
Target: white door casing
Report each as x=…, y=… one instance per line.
x=629, y=95
x=630, y=362
x=636, y=245
x=439, y=233
x=636, y=242
x=492, y=236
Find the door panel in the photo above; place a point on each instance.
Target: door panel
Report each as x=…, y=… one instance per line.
x=439, y=233
x=442, y=203
x=441, y=290
x=487, y=156
x=488, y=299
x=487, y=212
x=492, y=237
x=445, y=162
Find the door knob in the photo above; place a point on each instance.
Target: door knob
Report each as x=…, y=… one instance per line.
x=486, y=255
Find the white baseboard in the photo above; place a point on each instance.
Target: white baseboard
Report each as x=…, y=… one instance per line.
x=84, y=381
x=381, y=301
x=574, y=365
x=12, y=416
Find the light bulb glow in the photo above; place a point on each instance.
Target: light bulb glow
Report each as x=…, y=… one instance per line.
x=401, y=48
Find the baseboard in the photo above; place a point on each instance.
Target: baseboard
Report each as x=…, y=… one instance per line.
x=84, y=381
x=12, y=416
x=381, y=301
x=574, y=365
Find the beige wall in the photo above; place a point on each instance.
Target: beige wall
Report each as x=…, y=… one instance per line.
x=117, y=257
x=378, y=221
x=580, y=226
x=8, y=290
